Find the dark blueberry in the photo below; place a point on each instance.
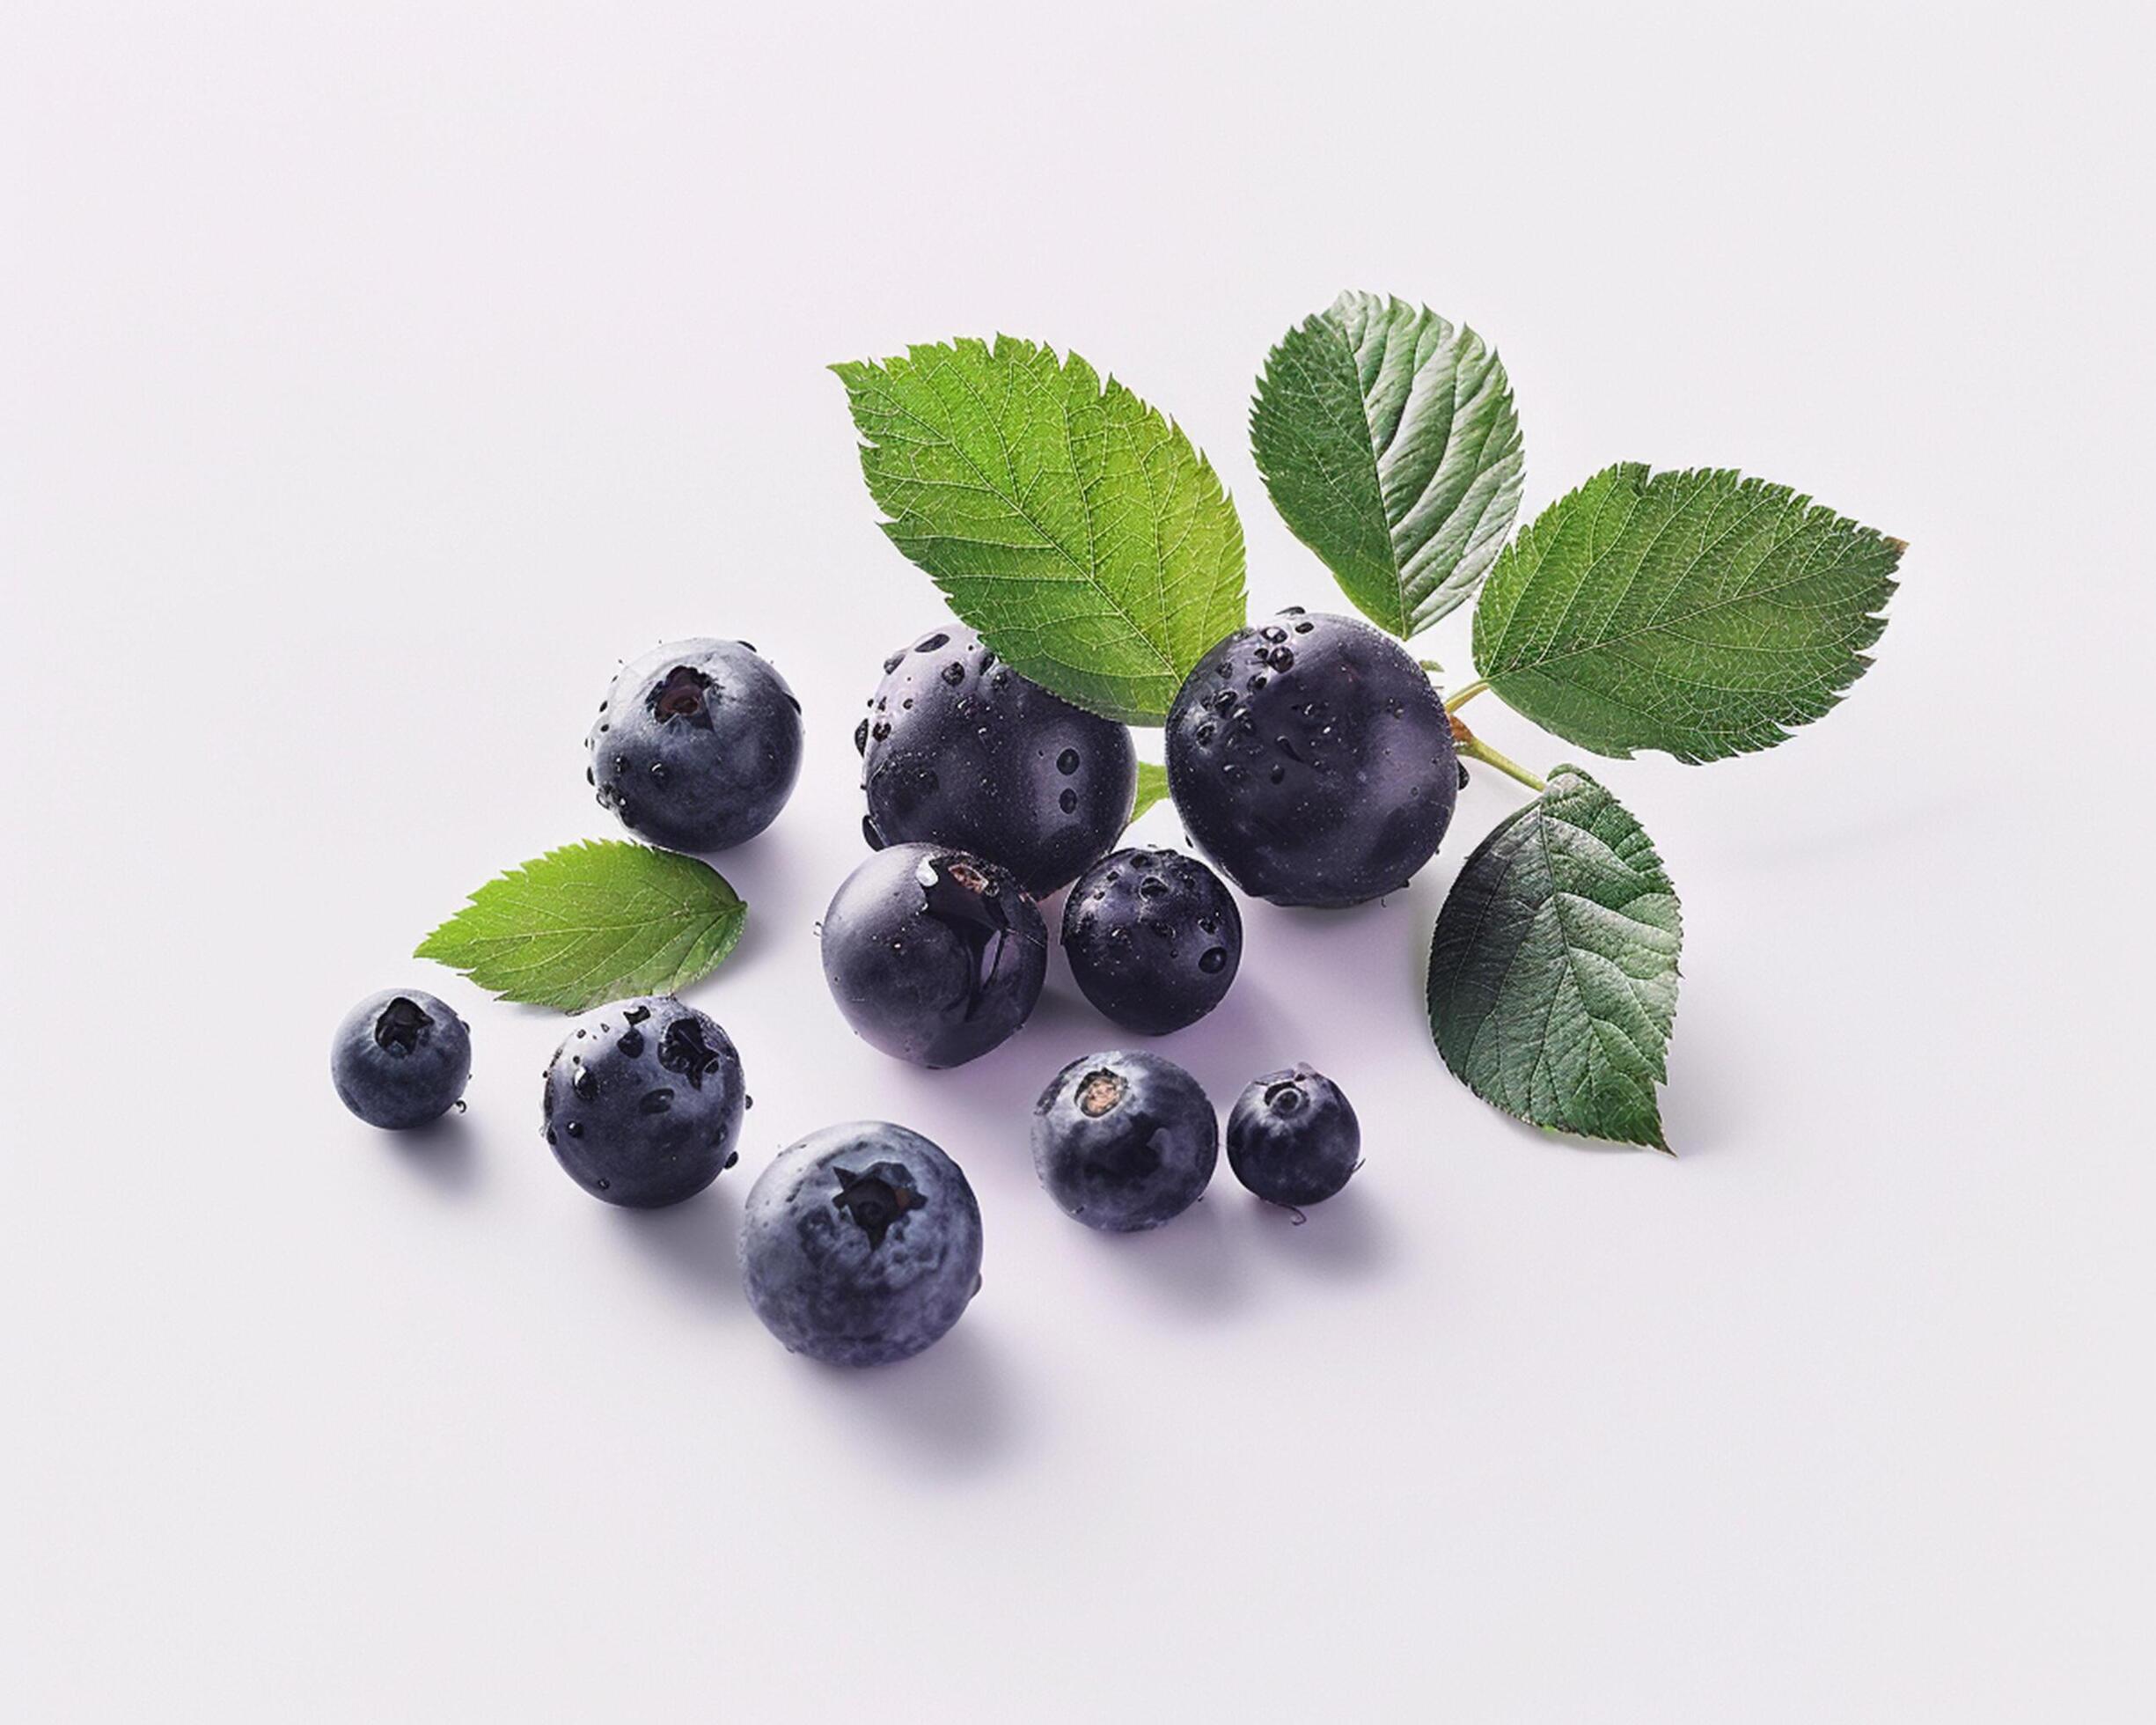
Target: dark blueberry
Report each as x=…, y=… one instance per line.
x=1342, y=784
x=861, y=1244
x=1153, y=939
x=400, y=1059
x=643, y=1102
x=1292, y=1139
x=934, y=955
x=1125, y=1142
x=983, y=760
x=708, y=736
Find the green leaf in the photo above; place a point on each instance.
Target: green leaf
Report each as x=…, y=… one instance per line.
x=1070, y=523
x=1699, y=613
x=1152, y=788
x=1553, y=975
x=1388, y=439
x=593, y=922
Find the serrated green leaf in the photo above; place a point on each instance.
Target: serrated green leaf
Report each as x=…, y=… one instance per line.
x=1553, y=973
x=1699, y=613
x=1072, y=525
x=1152, y=788
x=1388, y=439
x=593, y=922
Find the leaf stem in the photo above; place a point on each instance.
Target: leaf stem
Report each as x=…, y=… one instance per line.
x=1466, y=694
x=1465, y=742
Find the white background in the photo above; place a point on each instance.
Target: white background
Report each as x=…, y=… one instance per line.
x=380, y=376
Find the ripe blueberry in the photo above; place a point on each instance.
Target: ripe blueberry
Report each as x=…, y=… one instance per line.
x=1152, y=937
x=1125, y=1142
x=934, y=956
x=958, y=749
x=400, y=1059
x=696, y=744
x=643, y=1102
x=1292, y=1139
x=1316, y=767
x=861, y=1244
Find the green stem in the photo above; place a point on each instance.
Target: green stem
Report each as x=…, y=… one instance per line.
x=1466, y=696
x=1465, y=742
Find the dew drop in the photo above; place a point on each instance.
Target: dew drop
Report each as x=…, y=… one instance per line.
x=861, y=737
x=1211, y=959
x=1067, y=763
x=1068, y=802
x=954, y=673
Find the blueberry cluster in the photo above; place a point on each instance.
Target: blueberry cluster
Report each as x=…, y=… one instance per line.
x=1308, y=758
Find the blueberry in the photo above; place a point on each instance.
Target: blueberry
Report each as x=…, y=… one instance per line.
x=934, y=956
x=1293, y=1138
x=696, y=744
x=1319, y=771
x=1125, y=1141
x=643, y=1102
x=961, y=750
x=1152, y=937
x=400, y=1059
x=861, y=1244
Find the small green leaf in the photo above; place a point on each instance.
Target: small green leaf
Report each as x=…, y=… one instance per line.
x=1152, y=786
x=1699, y=613
x=1388, y=439
x=1073, y=525
x=592, y=922
x=1553, y=975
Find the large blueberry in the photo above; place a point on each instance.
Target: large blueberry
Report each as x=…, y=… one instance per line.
x=1311, y=758
x=958, y=749
x=400, y=1059
x=861, y=1244
x=1125, y=1141
x=1293, y=1138
x=696, y=744
x=1152, y=937
x=934, y=956
x=643, y=1102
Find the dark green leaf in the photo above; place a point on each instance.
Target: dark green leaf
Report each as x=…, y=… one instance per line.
x=1553, y=975
x=1388, y=439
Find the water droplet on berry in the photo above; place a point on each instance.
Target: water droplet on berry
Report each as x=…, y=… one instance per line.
x=1068, y=802
x=1211, y=958
x=1067, y=763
